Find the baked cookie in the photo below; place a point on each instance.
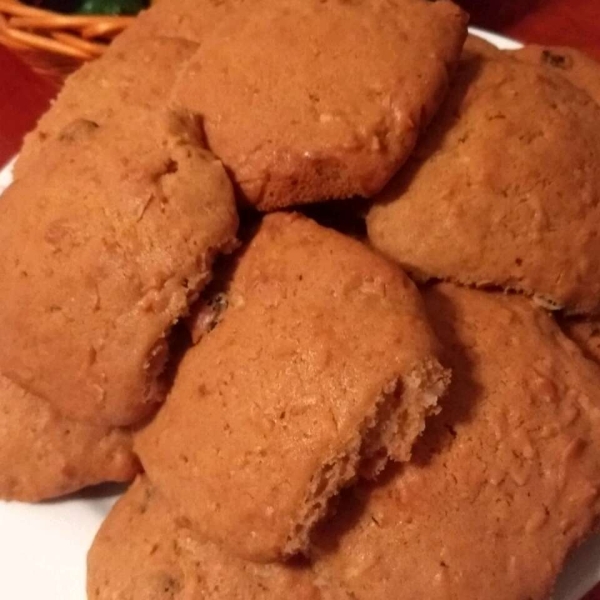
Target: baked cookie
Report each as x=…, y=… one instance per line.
x=125, y=85
x=579, y=68
x=106, y=243
x=504, y=482
x=495, y=197
x=321, y=368
x=142, y=552
x=300, y=111
x=44, y=455
x=586, y=333
x=188, y=20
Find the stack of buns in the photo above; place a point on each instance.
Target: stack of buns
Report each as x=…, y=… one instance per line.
x=322, y=279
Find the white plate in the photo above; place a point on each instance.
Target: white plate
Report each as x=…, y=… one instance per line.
x=43, y=547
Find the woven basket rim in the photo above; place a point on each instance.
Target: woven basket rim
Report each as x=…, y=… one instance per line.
x=26, y=28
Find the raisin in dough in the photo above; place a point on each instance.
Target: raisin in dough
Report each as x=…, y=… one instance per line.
x=579, y=68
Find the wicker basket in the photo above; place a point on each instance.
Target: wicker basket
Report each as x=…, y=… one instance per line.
x=55, y=44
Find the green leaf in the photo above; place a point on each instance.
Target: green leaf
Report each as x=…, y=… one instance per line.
x=112, y=7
